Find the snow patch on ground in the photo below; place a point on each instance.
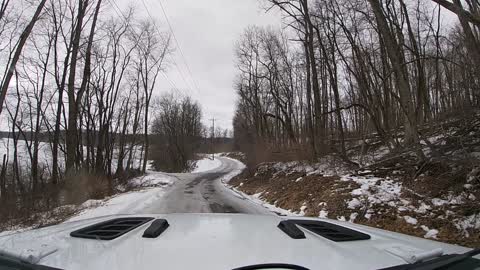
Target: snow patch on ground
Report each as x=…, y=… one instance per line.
x=354, y=203
x=468, y=223
x=302, y=210
x=323, y=167
x=152, y=179
x=375, y=190
x=410, y=220
x=450, y=200
x=373, y=197
x=323, y=214
x=16, y=230
x=430, y=233
x=206, y=164
x=128, y=203
x=239, y=169
x=423, y=208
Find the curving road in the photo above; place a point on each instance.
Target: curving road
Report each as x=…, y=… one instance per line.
x=204, y=193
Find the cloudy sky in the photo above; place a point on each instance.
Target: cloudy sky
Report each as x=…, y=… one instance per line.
x=206, y=31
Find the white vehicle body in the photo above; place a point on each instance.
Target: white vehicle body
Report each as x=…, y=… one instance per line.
x=216, y=241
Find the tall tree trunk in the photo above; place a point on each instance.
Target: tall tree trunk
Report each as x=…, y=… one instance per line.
x=3, y=178
x=122, y=142
x=146, y=139
x=394, y=52
x=38, y=120
x=422, y=91
x=72, y=134
x=308, y=118
x=60, y=83
x=18, y=51
x=319, y=123
x=331, y=64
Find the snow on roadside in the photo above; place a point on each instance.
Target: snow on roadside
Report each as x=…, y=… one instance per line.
x=130, y=202
x=150, y=188
x=369, y=199
x=152, y=179
x=468, y=223
x=239, y=169
x=153, y=187
x=16, y=230
x=206, y=164
x=41, y=219
x=255, y=198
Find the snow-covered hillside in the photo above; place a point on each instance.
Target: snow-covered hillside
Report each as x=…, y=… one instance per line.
x=298, y=188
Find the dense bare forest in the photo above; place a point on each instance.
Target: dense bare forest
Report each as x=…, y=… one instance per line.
x=343, y=72
x=365, y=111
x=178, y=133
x=76, y=95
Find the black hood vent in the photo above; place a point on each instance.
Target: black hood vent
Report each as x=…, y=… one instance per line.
x=111, y=229
x=330, y=231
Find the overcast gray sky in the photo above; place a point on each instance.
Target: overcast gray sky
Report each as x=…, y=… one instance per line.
x=206, y=31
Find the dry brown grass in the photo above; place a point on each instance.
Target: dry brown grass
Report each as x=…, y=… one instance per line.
x=84, y=186
x=53, y=204
x=312, y=191
x=273, y=152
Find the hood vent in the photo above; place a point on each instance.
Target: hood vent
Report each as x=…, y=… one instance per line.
x=157, y=227
x=328, y=230
x=111, y=229
x=289, y=227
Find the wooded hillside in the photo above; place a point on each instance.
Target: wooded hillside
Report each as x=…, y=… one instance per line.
x=343, y=72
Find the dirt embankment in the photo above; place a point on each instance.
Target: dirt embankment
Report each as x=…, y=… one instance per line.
x=427, y=206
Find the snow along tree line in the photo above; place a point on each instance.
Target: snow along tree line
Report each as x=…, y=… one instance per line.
x=77, y=83
x=343, y=70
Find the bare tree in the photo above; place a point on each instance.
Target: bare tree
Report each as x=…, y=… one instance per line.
x=151, y=51
x=358, y=69
x=177, y=127
x=18, y=50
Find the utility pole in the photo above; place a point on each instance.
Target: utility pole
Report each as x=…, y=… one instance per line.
x=212, y=138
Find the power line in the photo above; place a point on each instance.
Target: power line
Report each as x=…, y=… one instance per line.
x=172, y=83
x=118, y=11
x=160, y=33
x=115, y=7
x=178, y=45
x=181, y=75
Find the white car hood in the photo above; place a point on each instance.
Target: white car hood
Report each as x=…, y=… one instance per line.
x=216, y=241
